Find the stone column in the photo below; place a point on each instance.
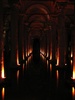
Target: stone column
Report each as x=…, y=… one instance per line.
x=62, y=40
x=25, y=41
x=1, y=35
x=73, y=39
x=53, y=31
x=46, y=44
x=23, y=46
x=50, y=45
x=14, y=37
x=20, y=39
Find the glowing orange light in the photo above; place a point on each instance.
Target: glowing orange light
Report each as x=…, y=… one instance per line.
x=2, y=70
x=71, y=54
x=47, y=54
x=71, y=62
x=17, y=58
x=57, y=61
x=30, y=51
x=73, y=93
x=51, y=52
x=50, y=55
x=57, y=57
x=74, y=74
x=3, y=93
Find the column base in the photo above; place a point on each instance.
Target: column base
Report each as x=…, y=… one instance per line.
x=53, y=62
x=71, y=82
x=2, y=81
x=15, y=66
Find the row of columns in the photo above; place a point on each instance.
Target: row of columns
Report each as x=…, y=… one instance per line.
x=19, y=41
x=55, y=47
x=19, y=38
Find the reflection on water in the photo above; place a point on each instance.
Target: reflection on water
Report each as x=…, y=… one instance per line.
x=17, y=76
x=47, y=64
x=73, y=93
x=37, y=82
x=26, y=64
x=23, y=68
x=50, y=67
x=57, y=77
x=3, y=93
x=50, y=70
x=71, y=62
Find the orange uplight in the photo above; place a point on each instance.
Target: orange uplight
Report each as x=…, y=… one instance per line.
x=2, y=70
x=71, y=54
x=47, y=54
x=3, y=93
x=17, y=58
x=50, y=55
x=51, y=52
x=73, y=73
x=30, y=51
x=57, y=61
x=57, y=56
x=73, y=68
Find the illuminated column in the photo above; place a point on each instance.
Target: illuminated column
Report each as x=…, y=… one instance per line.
x=62, y=40
x=25, y=41
x=14, y=37
x=45, y=46
x=53, y=31
x=20, y=38
x=23, y=50
x=74, y=54
x=47, y=43
x=50, y=45
x=73, y=39
x=1, y=36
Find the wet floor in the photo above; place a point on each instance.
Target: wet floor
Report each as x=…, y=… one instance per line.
x=37, y=81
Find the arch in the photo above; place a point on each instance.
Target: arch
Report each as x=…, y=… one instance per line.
x=40, y=8
x=37, y=17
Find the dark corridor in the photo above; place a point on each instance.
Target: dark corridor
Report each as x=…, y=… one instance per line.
x=36, y=49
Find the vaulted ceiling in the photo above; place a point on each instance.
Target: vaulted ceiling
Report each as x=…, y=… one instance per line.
x=38, y=14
